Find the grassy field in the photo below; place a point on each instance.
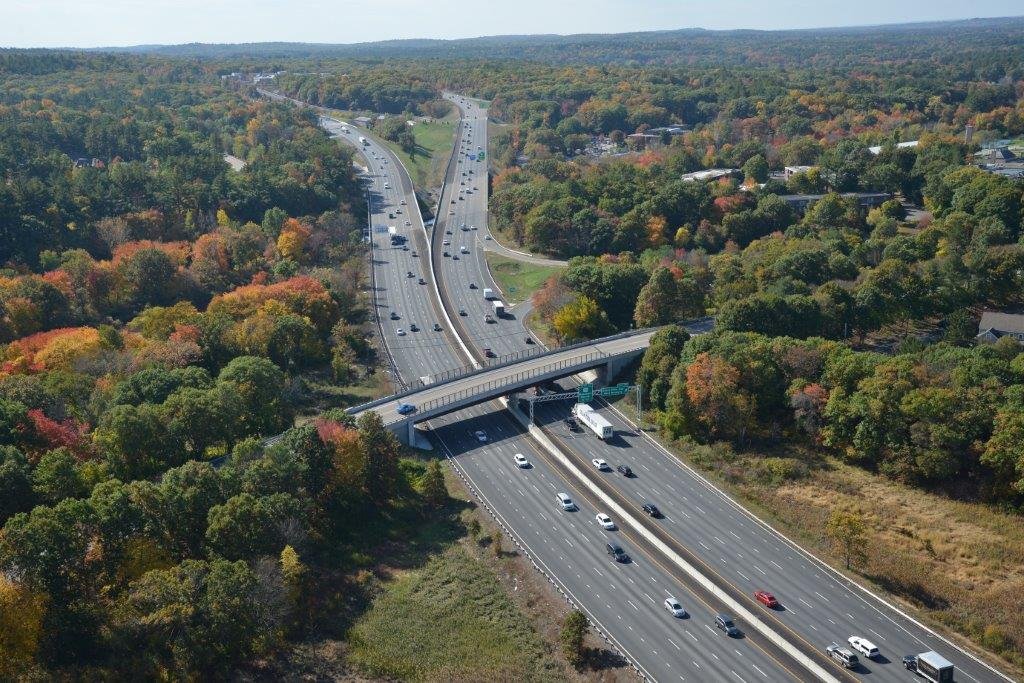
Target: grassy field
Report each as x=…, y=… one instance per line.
x=450, y=620
x=517, y=279
x=959, y=564
x=411, y=596
x=433, y=147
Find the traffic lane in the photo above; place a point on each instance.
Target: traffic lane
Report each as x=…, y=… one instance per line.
x=575, y=542
x=723, y=672
x=811, y=604
x=834, y=630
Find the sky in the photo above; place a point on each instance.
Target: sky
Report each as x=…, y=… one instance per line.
x=95, y=23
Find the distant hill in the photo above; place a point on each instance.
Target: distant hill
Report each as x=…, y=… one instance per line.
x=688, y=45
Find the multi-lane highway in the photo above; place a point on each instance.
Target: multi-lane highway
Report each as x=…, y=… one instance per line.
x=819, y=606
x=626, y=601
x=725, y=542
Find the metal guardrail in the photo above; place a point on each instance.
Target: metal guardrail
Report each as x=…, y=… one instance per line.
x=468, y=371
x=570, y=365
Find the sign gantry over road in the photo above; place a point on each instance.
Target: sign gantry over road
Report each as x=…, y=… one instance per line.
x=586, y=392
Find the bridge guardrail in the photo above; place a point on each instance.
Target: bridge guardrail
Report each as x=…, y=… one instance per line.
x=517, y=378
x=469, y=371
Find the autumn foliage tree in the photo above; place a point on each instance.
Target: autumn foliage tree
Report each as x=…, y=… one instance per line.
x=713, y=390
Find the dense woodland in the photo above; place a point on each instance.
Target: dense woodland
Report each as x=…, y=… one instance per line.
x=160, y=315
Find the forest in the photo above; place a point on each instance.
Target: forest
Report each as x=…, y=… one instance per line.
x=161, y=315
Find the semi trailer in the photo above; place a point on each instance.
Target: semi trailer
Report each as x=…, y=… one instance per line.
x=593, y=420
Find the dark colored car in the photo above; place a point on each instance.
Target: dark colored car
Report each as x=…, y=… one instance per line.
x=394, y=316
x=489, y=353
x=462, y=312
x=437, y=327
x=617, y=553
x=624, y=470
x=529, y=340
x=413, y=328
x=571, y=424
x=652, y=509
x=724, y=622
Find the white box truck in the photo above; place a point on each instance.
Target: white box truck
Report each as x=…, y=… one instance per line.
x=593, y=420
x=930, y=666
x=488, y=293
x=499, y=308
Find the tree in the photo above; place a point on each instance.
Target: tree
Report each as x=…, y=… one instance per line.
x=15, y=483
x=473, y=529
x=664, y=299
x=580, y=319
x=246, y=526
x=56, y=477
x=257, y=386
x=134, y=441
x=434, y=489
x=712, y=387
x=847, y=531
x=574, y=633
x=21, y=627
x=1004, y=451
x=756, y=169
x=380, y=474
x=496, y=546
x=293, y=571
x=201, y=618
x=149, y=274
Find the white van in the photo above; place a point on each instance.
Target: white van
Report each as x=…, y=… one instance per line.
x=565, y=501
x=488, y=293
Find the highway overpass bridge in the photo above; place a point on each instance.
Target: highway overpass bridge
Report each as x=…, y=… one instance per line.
x=455, y=390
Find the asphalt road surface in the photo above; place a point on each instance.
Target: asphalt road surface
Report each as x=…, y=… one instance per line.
x=819, y=606
x=625, y=600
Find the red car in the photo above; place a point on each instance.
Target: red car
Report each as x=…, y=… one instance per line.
x=766, y=599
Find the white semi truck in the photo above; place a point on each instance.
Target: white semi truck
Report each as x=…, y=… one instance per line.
x=593, y=420
x=930, y=666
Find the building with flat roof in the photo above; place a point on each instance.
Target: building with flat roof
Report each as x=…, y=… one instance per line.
x=866, y=200
x=877, y=149
x=790, y=171
x=711, y=174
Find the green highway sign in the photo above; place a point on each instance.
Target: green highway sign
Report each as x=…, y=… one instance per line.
x=585, y=394
x=619, y=389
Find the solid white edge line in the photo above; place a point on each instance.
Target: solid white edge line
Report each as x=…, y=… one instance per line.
x=838, y=576
x=705, y=582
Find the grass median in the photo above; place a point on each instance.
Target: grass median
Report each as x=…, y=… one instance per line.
x=434, y=143
x=518, y=279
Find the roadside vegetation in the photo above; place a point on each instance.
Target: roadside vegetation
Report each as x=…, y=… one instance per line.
x=518, y=279
x=424, y=147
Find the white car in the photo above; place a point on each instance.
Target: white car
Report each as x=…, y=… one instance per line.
x=673, y=606
x=464, y=249
x=400, y=332
x=487, y=237
x=864, y=646
x=605, y=521
x=601, y=465
x=480, y=435
x=521, y=461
